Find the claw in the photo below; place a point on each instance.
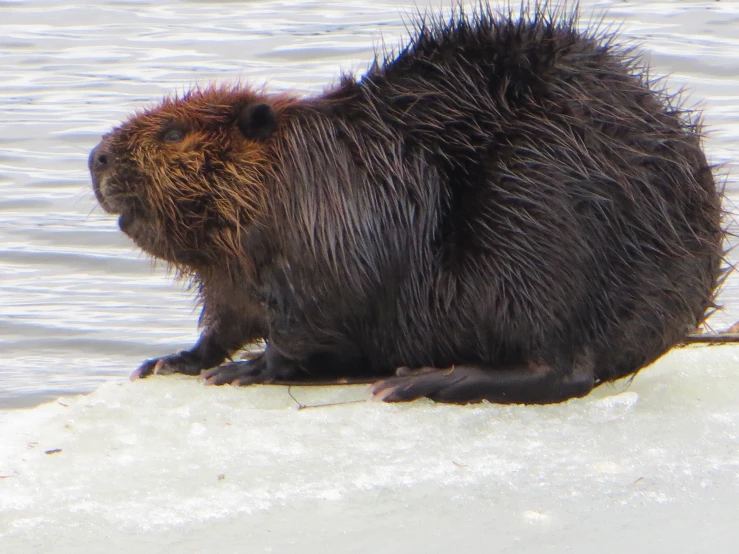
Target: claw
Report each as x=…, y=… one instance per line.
x=136, y=375
x=144, y=370
x=381, y=395
x=159, y=365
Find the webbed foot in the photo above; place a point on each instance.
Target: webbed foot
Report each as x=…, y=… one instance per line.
x=464, y=384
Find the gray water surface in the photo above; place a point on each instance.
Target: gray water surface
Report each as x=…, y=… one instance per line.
x=79, y=304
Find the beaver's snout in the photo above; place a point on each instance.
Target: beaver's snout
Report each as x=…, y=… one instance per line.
x=101, y=158
x=100, y=163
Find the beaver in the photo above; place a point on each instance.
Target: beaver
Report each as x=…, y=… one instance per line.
x=506, y=209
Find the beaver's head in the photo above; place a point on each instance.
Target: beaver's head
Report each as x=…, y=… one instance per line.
x=187, y=177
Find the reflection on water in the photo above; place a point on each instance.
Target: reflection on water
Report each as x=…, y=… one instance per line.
x=79, y=304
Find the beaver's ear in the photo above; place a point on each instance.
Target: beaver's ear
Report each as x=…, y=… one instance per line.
x=257, y=121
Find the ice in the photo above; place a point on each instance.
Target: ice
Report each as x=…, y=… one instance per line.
x=168, y=465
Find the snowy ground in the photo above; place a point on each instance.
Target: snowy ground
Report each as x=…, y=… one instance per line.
x=166, y=465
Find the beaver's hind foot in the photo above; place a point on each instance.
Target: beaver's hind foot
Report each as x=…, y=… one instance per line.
x=464, y=384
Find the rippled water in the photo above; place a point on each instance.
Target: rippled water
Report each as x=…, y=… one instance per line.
x=78, y=303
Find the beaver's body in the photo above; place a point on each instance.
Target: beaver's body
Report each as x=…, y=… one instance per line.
x=505, y=207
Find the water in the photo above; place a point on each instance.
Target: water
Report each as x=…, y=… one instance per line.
x=167, y=465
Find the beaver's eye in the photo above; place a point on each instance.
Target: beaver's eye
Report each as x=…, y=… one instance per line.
x=172, y=132
x=173, y=135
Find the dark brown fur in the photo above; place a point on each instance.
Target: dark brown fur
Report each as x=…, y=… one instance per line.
x=506, y=197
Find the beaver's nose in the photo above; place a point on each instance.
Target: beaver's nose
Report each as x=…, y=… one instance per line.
x=100, y=159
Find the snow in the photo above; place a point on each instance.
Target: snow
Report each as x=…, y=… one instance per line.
x=167, y=465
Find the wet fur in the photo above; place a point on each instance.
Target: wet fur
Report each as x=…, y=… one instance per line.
x=505, y=191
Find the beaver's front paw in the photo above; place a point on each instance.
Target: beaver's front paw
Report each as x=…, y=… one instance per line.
x=268, y=367
x=184, y=362
x=242, y=372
